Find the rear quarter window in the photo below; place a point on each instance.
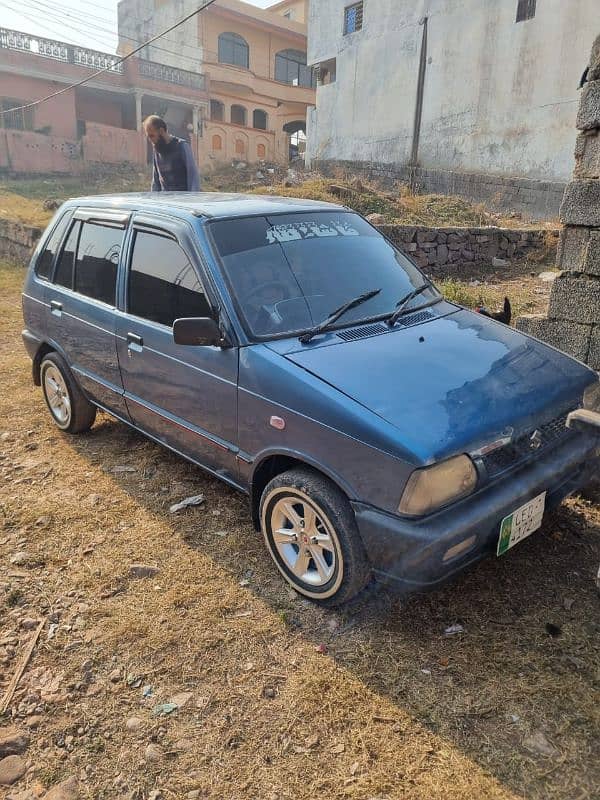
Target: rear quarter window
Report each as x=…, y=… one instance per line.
x=63, y=274
x=45, y=261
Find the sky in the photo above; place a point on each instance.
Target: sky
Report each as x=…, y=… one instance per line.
x=89, y=23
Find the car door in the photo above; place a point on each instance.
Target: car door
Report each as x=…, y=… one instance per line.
x=81, y=305
x=184, y=396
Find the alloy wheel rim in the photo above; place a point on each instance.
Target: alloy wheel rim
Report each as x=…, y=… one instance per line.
x=57, y=395
x=304, y=540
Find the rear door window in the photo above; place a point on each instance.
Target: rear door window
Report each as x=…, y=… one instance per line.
x=97, y=261
x=63, y=274
x=163, y=284
x=45, y=261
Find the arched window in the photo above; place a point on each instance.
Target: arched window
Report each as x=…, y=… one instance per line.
x=261, y=151
x=233, y=49
x=217, y=111
x=290, y=67
x=259, y=119
x=217, y=142
x=238, y=115
x=240, y=147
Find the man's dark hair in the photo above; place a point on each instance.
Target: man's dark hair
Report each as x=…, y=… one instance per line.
x=154, y=121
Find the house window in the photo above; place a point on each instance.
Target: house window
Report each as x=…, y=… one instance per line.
x=259, y=119
x=21, y=120
x=217, y=111
x=289, y=14
x=353, y=18
x=290, y=67
x=233, y=49
x=239, y=147
x=261, y=151
x=217, y=142
x=325, y=72
x=238, y=115
x=525, y=10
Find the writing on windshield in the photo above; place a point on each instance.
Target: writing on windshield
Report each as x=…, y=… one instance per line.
x=309, y=230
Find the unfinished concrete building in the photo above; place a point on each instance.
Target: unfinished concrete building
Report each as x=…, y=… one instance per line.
x=471, y=97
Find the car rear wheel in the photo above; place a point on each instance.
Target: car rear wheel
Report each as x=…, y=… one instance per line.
x=311, y=534
x=71, y=411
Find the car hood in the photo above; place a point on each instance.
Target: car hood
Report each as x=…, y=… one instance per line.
x=451, y=384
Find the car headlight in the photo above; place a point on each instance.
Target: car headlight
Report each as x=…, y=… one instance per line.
x=432, y=487
x=591, y=397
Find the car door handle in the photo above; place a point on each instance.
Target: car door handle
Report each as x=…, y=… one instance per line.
x=56, y=308
x=134, y=342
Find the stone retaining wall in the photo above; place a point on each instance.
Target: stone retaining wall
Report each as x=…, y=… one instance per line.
x=17, y=241
x=439, y=251
x=573, y=321
x=449, y=250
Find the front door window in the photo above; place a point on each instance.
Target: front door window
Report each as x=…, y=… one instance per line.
x=163, y=284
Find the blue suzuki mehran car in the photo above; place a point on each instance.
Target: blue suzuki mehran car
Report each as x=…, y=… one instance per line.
x=291, y=350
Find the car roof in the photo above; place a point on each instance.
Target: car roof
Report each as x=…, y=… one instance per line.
x=214, y=205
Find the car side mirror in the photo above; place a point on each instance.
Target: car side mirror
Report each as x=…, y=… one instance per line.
x=197, y=332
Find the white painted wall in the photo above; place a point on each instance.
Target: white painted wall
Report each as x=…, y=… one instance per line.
x=500, y=97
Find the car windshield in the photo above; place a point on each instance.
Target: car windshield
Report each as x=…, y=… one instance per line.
x=288, y=273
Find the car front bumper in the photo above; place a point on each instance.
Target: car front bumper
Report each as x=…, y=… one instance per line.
x=410, y=552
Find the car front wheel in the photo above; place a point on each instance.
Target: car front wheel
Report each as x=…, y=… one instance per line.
x=311, y=534
x=70, y=409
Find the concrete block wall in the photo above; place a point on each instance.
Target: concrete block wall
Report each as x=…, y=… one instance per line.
x=573, y=320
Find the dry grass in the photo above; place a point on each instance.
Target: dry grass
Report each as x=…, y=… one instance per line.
x=16, y=208
x=400, y=207
x=23, y=199
x=393, y=710
x=527, y=294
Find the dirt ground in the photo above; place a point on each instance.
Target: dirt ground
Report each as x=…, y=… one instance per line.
x=278, y=700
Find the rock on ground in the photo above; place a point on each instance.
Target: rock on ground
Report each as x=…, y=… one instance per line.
x=13, y=743
x=67, y=790
x=143, y=571
x=538, y=743
x=153, y=754
x=11, y=769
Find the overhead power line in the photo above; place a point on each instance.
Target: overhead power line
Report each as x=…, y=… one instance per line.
x=111, y=66
x=50, y=16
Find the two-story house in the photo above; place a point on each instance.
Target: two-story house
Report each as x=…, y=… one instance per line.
x=259, y=84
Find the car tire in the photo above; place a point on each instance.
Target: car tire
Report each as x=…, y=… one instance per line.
x=311, y=533
x=70, y=410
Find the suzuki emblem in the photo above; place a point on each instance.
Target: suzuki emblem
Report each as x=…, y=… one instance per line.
x=535, y=440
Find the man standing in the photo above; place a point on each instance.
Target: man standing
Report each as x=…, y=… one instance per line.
x=174, y=168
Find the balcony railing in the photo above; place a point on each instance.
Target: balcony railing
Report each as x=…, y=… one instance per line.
x=180, y=77
x=59, y=51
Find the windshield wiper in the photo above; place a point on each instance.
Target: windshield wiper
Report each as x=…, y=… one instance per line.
x=404, y=301
x=335, y=315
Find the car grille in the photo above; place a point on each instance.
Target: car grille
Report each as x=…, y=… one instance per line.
x=521, y=451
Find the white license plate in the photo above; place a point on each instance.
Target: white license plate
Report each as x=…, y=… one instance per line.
x=521, y=523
